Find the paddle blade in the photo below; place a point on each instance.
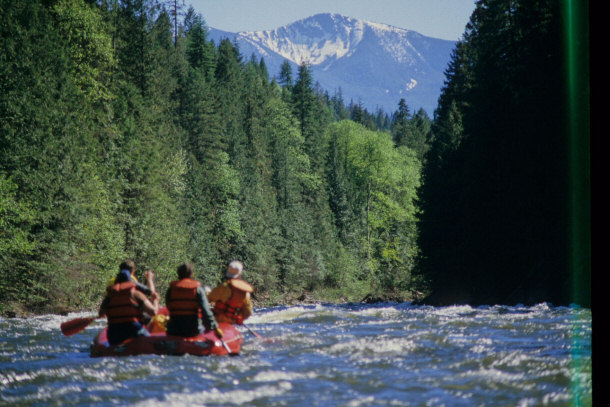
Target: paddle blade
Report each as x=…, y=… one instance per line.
x=75, y=326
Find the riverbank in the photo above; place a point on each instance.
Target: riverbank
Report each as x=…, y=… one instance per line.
x=16, y=310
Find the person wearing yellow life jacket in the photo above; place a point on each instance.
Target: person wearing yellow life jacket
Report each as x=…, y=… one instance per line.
x=124, y=306
x=189, y=309
x=232, y=297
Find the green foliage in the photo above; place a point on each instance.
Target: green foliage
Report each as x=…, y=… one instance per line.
x=50, y=153
x=14, y=218
x=125, y=134
x=90, y=46
x=381, y=185
x=15, y=240
x=199, y=52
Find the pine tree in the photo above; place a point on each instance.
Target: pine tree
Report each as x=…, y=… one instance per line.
x=401, y=129
x=52, y=154
x=498, y=161
x=285, y=75
x=200, y=52
x=421, y=127
x=175, y=10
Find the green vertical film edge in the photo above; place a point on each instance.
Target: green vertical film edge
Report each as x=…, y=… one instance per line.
x=577, y=43
x=578, y=109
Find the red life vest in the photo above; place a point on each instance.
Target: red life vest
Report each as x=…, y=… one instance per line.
x=183, y=297
x=122, y=306
x=232, y=308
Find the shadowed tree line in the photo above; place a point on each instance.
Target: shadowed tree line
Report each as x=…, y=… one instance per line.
x=506, y=188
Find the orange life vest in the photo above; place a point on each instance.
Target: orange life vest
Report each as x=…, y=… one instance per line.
x=232, y=308
x=183, y=297
x=122, y=306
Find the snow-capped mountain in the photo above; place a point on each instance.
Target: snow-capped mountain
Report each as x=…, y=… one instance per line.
x=371, y=63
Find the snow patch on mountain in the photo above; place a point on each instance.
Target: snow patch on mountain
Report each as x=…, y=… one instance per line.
x=372, y=63
x=309, y=40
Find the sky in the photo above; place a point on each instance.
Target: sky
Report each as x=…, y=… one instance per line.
x=445, y=19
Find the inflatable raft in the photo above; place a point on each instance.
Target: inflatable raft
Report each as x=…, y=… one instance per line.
x=158, y=343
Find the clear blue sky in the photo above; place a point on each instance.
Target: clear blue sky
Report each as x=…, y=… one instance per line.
x=444, y=19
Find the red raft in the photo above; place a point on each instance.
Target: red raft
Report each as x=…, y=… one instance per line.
x=158, y=343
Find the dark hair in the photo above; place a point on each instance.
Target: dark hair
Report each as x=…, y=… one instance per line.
x=128, y=265
x=124, y=275
x=185, y=271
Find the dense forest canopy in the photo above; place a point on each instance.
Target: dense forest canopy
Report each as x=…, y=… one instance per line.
x=126, y=133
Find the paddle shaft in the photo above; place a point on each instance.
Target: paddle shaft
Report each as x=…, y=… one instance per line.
x=225, y=346
x=252, y=332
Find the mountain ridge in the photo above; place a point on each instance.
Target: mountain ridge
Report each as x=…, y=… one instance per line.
x=373, y=64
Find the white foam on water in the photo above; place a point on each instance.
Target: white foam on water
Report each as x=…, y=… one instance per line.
x=375, y=345
x=284, y=314
x=279, y=375
x=215, y=397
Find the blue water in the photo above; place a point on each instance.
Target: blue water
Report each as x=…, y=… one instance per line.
x=322, y=355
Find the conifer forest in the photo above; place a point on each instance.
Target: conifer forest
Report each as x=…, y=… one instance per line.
x=126, y=133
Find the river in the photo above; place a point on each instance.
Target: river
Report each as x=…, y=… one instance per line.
x=350, y=355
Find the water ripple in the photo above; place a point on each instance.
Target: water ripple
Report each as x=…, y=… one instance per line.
x=323, y=355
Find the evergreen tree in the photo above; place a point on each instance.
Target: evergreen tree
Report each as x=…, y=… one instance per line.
x=495, y=195
x=285, y=76
x=338, y=106
x=291, y=175
x=262, y=69
x=258, y=200
x=401, y=129
x=83, y=28
x=200, y=52
x=421, y=127
x=175, y=10
x=51, y=154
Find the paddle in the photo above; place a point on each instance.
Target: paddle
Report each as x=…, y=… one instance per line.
x=252, y=332
x=266, y=340
x=76, y=325
x=224, y=344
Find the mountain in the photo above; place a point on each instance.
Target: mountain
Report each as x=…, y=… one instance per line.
x=370, y=63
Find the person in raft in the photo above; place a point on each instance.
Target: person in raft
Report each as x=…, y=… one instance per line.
x=189, y=309
x=124, y=307
x=232, y=297
x=129, y=266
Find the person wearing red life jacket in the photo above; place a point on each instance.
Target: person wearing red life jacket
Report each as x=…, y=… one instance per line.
x=124, y=307
x=189, y=309
x=130, y=266
x=232, y=297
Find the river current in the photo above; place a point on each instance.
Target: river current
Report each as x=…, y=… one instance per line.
x=350, y=355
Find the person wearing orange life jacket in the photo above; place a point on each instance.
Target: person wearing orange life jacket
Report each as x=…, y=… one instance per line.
x=130, y=266
x=124, y=306
x=189, y=309
x=232, y=297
